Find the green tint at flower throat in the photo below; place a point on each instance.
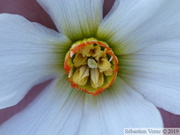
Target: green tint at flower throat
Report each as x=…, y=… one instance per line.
x=91, y=66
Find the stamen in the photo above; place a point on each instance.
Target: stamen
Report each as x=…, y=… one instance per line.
x=80, y=76
x=104, y=64
x=97, y=78
x=71, y=53
x=91, y=66
x=108, y=72
x=79, y=60
x=110, y=59
x=70, y=73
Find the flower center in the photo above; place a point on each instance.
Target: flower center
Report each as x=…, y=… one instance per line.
x=91, y=66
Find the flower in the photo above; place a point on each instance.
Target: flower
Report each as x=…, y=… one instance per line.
x=143, y=36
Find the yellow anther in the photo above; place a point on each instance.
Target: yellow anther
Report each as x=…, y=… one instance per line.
x=81, y=75
x=79, y=60
x=96, y=51
x=97, y=78
x=108, y=72
x=104, y=64
x=86, y=50
x=101, y=54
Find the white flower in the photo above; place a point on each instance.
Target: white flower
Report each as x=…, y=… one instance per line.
x=144, y=36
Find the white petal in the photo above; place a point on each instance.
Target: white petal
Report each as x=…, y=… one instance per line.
x=63, y=110
x=76, y=19
x=117, y=108
x=56, y=111
x=155, y=72
x=28, y=57
x=134, y=24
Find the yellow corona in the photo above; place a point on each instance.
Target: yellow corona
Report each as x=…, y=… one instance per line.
x=91, y=66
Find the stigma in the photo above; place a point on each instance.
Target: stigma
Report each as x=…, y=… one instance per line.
x=91, y=66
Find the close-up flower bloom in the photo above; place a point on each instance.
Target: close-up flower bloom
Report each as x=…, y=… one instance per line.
x=107, y=73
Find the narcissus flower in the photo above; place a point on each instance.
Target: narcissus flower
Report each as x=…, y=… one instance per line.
x=109, y=73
